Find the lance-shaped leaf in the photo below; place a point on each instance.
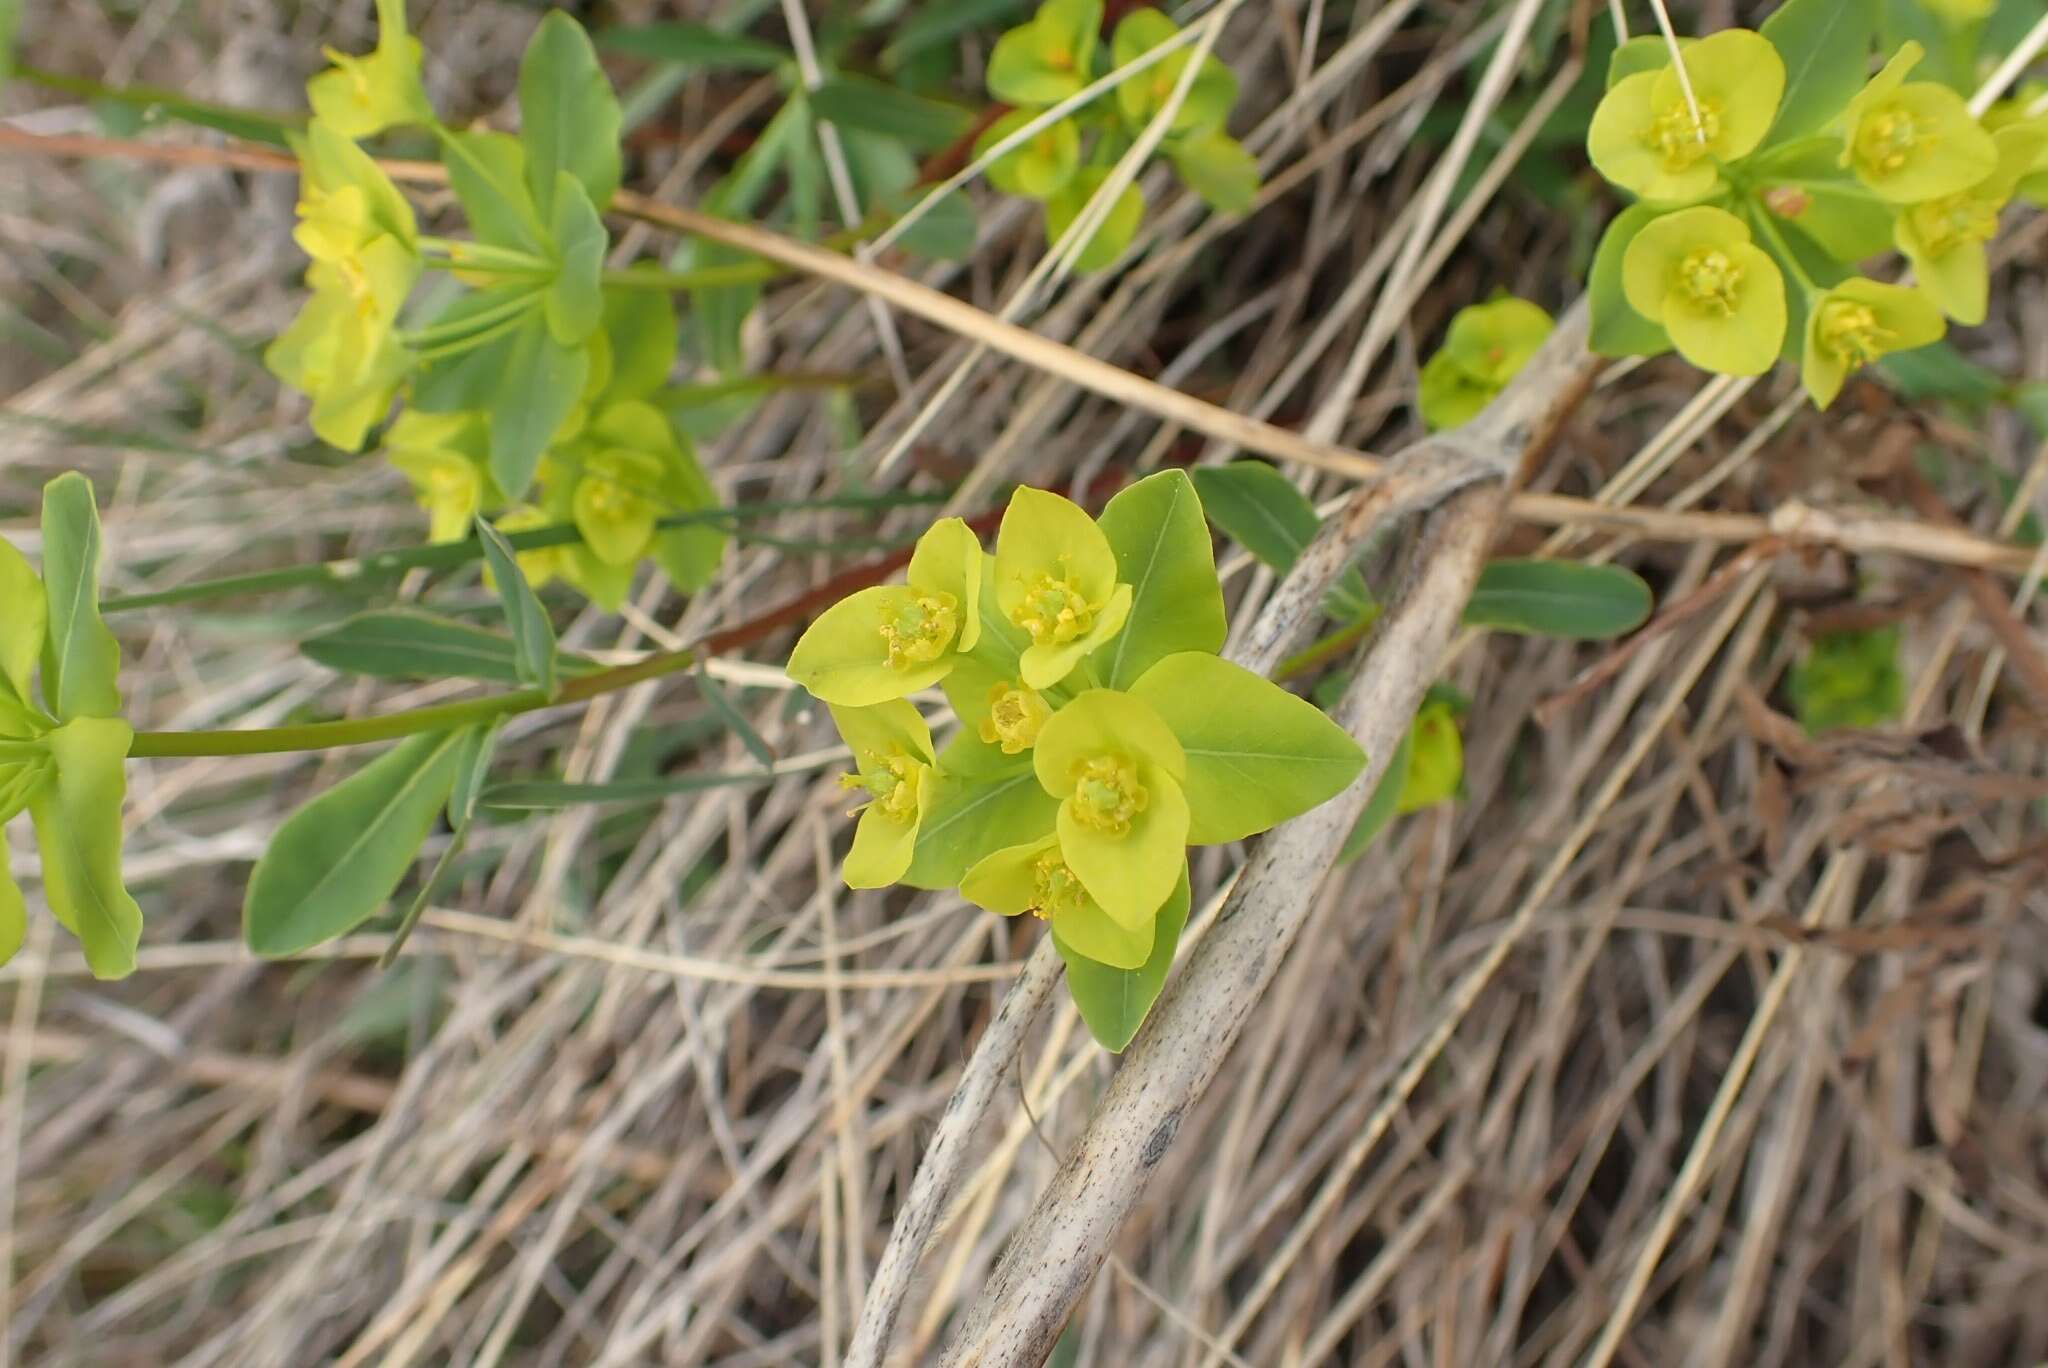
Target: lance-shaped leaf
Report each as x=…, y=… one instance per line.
x=336, y=860
x=1114, y=1002
x=78, y=831
x=1559, y=599
x=533, y=636
x=80, y=658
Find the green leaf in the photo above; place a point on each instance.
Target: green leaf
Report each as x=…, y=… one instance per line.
x=972, y=816
x=13, y=907
x=1939, y=371
x=1826, y=47
x=78, y=831
x=488, y=174
x=1639, y=54
x=10, y=26
x=475, y=752
x=24, y=621
x=538, y=795
x=80, y=658
x=533, y=636
x=407, y=643
x=336, y=860
x=1557, y=598
x=1832, y=207
x=540, y=384
x=935, y=24
x=695, y=45
x=735, y=720
x=1115, y=1002
x=869, y=106
x=1617, y=329
x=641, y=326
x=475, y=749
x=1257, y=755
x=568, y=116
x=1385, y=802
x=575, y=300
x=1162, y=551
x=1260, y=509
x=944, y=232
x=1217, y=167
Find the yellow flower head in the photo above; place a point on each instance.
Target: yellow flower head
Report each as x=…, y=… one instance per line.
x=445, y=456
x=1436, y=758
x=349, y=365
x=1854, y=324
x=1913, y=140
x=1041, y=165
x=1049, y=57
x=1015, y=717
x=2029, y=105
x=1140, y=98
x=1056, y=582
x=362, y=96
x=1944, y=237
x=1487, y=345
x=892, y=640
x=1646, y=139
x=1035, y=877
x=1720, y=296
x=893, y=764
x=1117, y=770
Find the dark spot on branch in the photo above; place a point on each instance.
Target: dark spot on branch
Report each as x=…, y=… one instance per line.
x=1155, y=1148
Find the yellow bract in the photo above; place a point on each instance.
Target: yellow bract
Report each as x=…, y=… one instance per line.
x=1056, y=582
x=362, y=96
x=443, y=455
x=1647, y=137
x=1117, y=770
x=361, y=235
x=1855, y=323
x=1015, y=717
x=893, y=759
x=1720, y=297
x=1910, y=141
x=1487, y=345
x=892, y=640
x=1944, y=237
x=1036, y=878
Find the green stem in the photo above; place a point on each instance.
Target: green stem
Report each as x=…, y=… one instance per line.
x=260, y=125
x=353, y=571
x=471, y=341
x=442, y=717
x=1323, y=651
x=455, y=328
x=1761, y=217
x=704, y=278
x=462, y=254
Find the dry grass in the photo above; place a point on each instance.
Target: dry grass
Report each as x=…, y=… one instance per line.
x=1766, y=1066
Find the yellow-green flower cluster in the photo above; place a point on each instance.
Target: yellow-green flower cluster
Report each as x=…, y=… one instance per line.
x=1055, y=55
x=342, y=350
x=531, y=398
x=1100, y=735
x=1487, y=346
x=1744, y=246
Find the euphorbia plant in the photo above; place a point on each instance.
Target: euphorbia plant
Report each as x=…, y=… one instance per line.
x=1767, y=167
x=1099, y=734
